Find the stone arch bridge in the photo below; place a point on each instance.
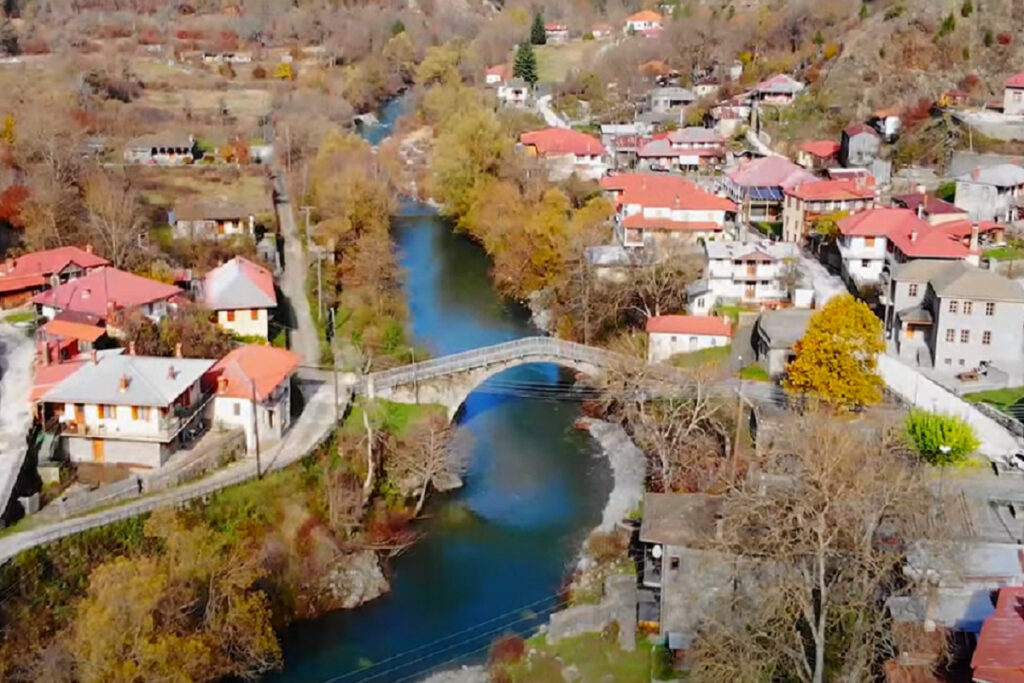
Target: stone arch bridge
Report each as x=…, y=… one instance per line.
x=449, y=380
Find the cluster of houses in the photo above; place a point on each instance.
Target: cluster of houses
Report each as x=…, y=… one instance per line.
x=109, y=405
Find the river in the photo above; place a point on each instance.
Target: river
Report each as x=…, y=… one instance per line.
x=495, y=553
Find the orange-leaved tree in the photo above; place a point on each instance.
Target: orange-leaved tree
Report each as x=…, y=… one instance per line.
x=835, y=360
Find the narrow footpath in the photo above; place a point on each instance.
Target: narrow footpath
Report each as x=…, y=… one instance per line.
x=303, y=336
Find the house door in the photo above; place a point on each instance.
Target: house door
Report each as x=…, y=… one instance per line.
x=750, y=292
x=99, y=451
x=79, y=413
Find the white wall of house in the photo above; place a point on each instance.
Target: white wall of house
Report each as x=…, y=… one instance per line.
x=213, y=229
x=663, y=345
x=560, y=167
x=1013, y=101
x=986, y=202
x=273, y=416
x=492, y=79
x=247, y=322
x=863, y=258
x=148, y=454
x=750, y=282
x=122, y=420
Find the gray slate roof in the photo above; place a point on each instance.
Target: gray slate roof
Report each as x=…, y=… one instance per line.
x=784, y=328
x=152, y=381
x=921, y=270
x=962, y=280
x=1000, y=175
x=679, y=519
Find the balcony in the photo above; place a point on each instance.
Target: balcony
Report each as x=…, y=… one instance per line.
x=167, y=427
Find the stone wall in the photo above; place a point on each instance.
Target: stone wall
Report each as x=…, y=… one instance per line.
x=618, y=605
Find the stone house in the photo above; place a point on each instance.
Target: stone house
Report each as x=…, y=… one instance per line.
x=670, y=99
x=991, y=194
x=161, y=149
x=775, y=335
x=211, y=219
x=954, y=316
x=859, y=146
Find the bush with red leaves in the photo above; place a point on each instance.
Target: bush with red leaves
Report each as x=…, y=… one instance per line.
x=506, y=650
x=35, y=46
x=188, y=34
x=1004, y=38
x=150, y=36
x=11, y=202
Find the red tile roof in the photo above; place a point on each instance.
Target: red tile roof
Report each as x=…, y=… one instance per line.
x=823, y=149
x=927, y=242
x=860, y=129
x=17, y=283
x=644, y=15
x=46, y=377
x=933, y=206
x=66, y=329
x=665, y=191
x=689, y=324
x=770, y=172
x=1015, y=81
x=835, y=190
x=95, y=292
x=51, y=261
x=999, y=655
x=504, y=71
x=264, y=366
x=962, y=228
x=882, y=223
x=558, y=141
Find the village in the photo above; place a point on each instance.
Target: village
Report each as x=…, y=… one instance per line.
x=758, y=295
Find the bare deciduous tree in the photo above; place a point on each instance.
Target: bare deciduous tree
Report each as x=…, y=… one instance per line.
x=116, y=222
x=825, y=516
x=426, y=456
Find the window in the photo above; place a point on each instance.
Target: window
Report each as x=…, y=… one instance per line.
x=237, y=408
x=270, y=418
x=986, y=337
x=144, y=413
x=254, y=314
x=673, y=563
x=961, y=362
x=865, y=263
x=990, y=308
x=674, y=338
x=952, y=306
x=949, y=361
x=912, y=289
x=135, y=412
x=100, y=411
x=869, y=242
x=951, y=335
x=968, y=307
x=965, y=336
x=231, y=316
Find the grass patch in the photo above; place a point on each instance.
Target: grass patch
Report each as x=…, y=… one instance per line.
x=755, y=373
x=21, y=317
x=396, y=418
x=1004, y=253
x=715, y=354
x=554, y=62
x=596, y=656
x=247, y=187
x=769, y=229
x=1001, y=399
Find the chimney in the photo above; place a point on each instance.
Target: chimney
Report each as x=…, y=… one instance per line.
x=976, y=173
x=86, y=293
x=913, y=235
x=171, y=372
x=122, y=384
x=974, y=237
x=177, y=350
x=222, y=384
x=131, y=348
x=88, y=248
x=92, y=357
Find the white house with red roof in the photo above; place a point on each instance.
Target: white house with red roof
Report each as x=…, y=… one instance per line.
x=601, y=30
x=669, y=335
x=498, y=74
x=242, y=295
x=566, y=151
x=251, y=389
x=655, y=208
x=107, y=291
x=23, y=276
x=643, y=22
x=809, y=201
x=556, y=33
x=1013, y=95
x=758, y=186
x=779, y=90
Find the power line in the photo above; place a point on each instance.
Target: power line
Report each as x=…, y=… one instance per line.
x=490, y=632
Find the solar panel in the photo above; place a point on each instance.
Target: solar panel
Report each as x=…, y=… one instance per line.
x=770, y=194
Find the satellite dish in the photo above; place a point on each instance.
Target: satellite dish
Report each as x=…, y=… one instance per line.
x=656, y=552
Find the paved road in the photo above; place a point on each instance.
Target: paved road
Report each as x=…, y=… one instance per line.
x=312, y=427
x=15, y=416
x=550, y=116
x=304, y=337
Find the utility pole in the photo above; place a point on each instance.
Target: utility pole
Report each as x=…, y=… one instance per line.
x=306, y=208
x=256, y=429
x=334, y=371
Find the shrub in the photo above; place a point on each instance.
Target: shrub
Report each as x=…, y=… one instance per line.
x=1004, y=38
x=939, y=439
x=989, y=38
x=258, y=72
x=894, y=12
x=35, y=46
x=507, y=650
x=606, y=546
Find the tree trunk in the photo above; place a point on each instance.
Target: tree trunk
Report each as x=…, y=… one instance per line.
x=368, y=483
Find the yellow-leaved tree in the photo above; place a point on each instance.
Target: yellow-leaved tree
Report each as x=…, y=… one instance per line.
x=835, y=360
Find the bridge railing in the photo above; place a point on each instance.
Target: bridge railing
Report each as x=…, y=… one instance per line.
x=527, y=347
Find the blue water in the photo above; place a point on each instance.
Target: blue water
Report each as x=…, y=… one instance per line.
x=495, y=553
